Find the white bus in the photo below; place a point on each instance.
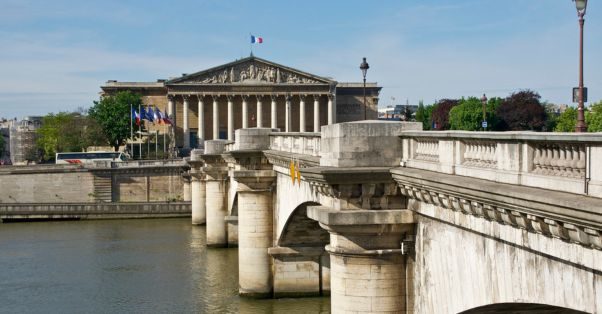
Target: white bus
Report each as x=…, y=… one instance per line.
x=90, y=157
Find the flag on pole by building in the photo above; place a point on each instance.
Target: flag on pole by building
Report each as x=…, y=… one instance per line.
x=256, y=40
x=157, y=116
x=136, y=116
x=150, y=115
x=142, y=113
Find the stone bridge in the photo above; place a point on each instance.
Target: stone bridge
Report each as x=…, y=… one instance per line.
x=384, y=217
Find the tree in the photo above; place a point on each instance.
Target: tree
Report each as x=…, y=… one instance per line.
x=522, y=111
x=566, y=121
x=423, y=115
x=440, y=114
x=593, y=117
x=468, y=114
x=112, y=113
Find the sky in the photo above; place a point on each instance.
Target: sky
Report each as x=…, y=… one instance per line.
x=55, y=55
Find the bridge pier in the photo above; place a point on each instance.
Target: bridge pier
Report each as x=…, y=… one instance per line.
x=368, y=268
x=255, y=229
x=216, y=191
x=198, y=202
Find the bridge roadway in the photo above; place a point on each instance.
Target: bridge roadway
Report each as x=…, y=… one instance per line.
x=386, y=218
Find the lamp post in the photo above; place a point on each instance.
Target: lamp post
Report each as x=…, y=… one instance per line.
x=581, y=7
x=364, y=67
x=484, y=121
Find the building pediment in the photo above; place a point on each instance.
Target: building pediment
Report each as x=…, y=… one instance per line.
x=250, y=71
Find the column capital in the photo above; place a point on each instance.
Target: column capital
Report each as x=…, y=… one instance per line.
x=288, y=97
x=317, y=97
x=200, y=96
x=186, y=97
x=215, y=96
x=255, y=180
x=274, y=97
x=302, y=97
x=171, y=97
x=331, y=96
x=229, y=97
x=244, y=97
x=259, y=97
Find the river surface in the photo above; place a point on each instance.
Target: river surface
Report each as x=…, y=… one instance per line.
x=124, y=266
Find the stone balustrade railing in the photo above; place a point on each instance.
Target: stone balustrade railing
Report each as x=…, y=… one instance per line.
x=556, y=161
x=299, y=143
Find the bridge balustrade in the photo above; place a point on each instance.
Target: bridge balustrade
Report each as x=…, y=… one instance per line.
x=298, y=143
x=555, y=161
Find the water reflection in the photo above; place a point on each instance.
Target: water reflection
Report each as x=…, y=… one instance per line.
x=124, y=266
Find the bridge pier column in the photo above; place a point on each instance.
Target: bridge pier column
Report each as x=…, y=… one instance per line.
x=198, y=202
x=217, y=209
x=255, y=230
x=367, y=262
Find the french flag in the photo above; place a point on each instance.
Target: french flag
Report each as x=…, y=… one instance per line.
x=256, y=40
x=137, y=117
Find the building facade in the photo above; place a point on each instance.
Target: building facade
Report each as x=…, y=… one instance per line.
x=251, y=92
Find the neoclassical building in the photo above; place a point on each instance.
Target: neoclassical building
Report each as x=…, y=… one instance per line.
x=251, y=92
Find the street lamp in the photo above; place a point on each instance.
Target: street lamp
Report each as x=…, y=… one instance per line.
x=484, y=102
x=364, y=67
x=581, y=7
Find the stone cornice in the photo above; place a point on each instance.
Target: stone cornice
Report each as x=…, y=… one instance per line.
x=283, y=159
x=551, y=214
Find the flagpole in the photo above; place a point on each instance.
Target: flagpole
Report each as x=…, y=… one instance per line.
x=164, y=144
x=156, y=144
x=140, y=132
x=132, y=130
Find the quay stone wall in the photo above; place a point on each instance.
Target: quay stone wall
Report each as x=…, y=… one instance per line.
x=75, y=184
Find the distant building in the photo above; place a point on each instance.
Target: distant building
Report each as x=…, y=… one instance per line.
x=5, y=126
x=397, y=112
x=22, y=134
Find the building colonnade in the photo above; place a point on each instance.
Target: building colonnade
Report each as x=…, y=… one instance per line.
x=246, y=101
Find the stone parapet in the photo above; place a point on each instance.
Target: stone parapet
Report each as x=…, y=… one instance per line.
x=555, y=161
x=363, y=144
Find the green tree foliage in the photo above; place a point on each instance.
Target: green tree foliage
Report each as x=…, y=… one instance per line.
x=522, y=111
x=440, y=114
x=112, y=113
x=423, y=114
x=67, y=132
x=593, y=117
x=468, y=114
x=566, y=121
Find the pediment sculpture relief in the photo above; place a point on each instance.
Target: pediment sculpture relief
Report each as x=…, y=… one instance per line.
x=254, y=73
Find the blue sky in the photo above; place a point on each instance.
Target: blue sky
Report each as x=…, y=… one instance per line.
x=54, y=55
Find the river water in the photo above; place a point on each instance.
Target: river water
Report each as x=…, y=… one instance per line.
x=133, y=266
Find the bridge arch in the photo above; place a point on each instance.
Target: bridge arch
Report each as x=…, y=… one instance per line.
x=301, y=263
x=526, y=308
x=300, y=230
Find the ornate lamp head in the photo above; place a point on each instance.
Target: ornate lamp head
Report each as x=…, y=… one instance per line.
x=581, y=7
x=364, y=67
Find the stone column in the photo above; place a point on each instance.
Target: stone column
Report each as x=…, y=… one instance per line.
x=170, y=105
x=217, y=207
x=185, y=126
x=259, y=112
x=316, y=113
x=331, y=109
x=367, y=265
x=187, y=193
x=302, y=113
x=255, y=231
x=287, y=114
x=201, y=120
x=245, y=112
x=198, y=202
x=230, y=119
x=215, y=117
x=274, y=117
